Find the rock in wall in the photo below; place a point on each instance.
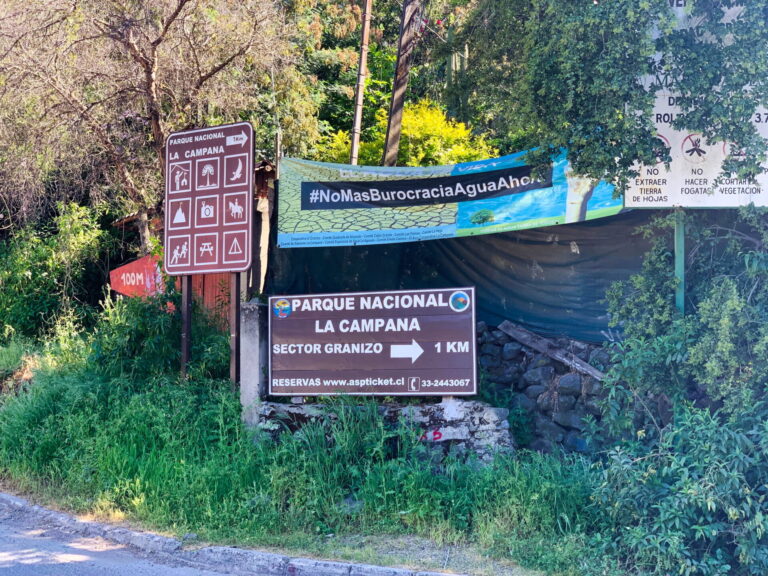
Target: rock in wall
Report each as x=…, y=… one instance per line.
x=555, y=398
x=460, y=426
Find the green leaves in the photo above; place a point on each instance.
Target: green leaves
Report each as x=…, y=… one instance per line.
x=42, y=272
x=560, y=70
x=428, y=138
x=693, y=503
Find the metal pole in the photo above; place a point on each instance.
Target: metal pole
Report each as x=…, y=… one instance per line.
x=186, y=323
x=234, y=329
x=680, y=260
x=362, y=72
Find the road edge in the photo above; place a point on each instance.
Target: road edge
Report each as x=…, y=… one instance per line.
x=226, y=559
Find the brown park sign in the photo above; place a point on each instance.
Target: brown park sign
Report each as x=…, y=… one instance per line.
x=403, y=343
x=208, y=200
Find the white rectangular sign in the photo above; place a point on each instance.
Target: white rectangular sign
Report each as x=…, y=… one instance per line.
x=694, y=178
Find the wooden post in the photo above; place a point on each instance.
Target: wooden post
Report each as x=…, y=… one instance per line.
x=362, y=72
x=186, y=323
x=410, y=25
x=234, y=329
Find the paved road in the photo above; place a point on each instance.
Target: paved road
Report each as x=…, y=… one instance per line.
x=26, y=550
x=35, y=541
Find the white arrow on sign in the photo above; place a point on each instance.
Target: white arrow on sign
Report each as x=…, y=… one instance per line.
x=412, y=351
x=237, y=139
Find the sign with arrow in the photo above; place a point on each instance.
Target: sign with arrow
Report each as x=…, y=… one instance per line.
x=208, y=200
x=400, y=343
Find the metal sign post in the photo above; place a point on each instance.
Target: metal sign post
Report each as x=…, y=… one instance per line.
x=208, y=212
x=186, y=323
x=234, y=328
x=680, y=260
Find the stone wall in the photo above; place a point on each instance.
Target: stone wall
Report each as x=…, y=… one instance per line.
x=554, y=397
x=456, y=425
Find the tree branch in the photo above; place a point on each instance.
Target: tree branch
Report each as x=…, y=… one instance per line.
x=172, y=17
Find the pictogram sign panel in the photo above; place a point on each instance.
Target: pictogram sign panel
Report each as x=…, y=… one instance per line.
x=208, y=200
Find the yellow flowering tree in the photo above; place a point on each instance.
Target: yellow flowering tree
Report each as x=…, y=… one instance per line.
x=428, y=138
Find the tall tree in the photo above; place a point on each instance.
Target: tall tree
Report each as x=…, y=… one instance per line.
x=583, y=74
x=96, y=86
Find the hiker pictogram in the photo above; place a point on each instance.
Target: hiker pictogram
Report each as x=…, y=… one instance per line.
x=179, y=253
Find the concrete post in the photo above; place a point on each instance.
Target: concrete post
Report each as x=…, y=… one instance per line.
x=253, y=358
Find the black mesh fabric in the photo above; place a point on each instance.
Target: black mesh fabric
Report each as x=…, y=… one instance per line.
x=550, y=280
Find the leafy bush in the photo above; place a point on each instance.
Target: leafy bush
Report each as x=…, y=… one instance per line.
x=42, y=271
x=684, y=484
x=428, y=139
x=694, y=502
x=141, y=337
x=11, y=355
x=716, y=355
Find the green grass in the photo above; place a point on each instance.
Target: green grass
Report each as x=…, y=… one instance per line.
x=11, y=356
x=174, y=455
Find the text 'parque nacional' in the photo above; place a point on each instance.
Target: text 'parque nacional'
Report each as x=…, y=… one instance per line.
x=417, y=342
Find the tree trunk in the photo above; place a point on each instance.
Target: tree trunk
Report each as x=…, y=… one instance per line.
x=142, y=225
x=409, y=29
x=362, y=71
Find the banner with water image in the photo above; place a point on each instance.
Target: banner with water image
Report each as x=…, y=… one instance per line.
x=322, y=204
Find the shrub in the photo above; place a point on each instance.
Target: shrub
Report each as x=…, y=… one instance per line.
x=684, y=482
x=694, y=502
x=141, y=337
x=42, y=271
x=428, y=138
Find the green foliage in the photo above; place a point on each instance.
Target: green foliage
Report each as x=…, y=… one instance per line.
x=684, y=484
x=502, y=396
x=644, y=305
x=582, y=75
x=716, y=355
x=482, y=217
x=720, y=98
x=12, y=353
x=42, y=271
x=564, y=74
x=694, y=502
x=428, y=138
x=175, y=454
x=534, y=508
x=729, y=359
x=141, y=338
